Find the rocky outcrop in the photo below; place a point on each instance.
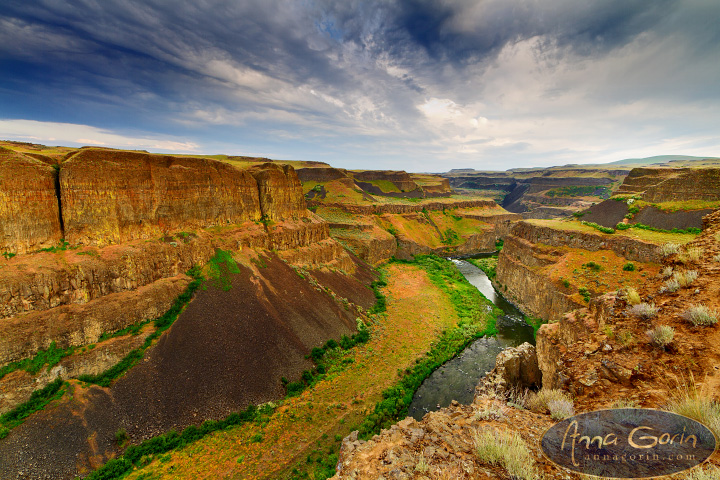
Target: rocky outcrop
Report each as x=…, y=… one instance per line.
x=75, y=325
x=630, y=248
x=518, y=275
x=320, y=174
x=381, y=208
x=281, y=193
x=29, y=212
x=515, y=368
x=672, y=184
x=400, y=179
x=110, y=196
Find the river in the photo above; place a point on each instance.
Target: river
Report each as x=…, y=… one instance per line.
x=456, y=379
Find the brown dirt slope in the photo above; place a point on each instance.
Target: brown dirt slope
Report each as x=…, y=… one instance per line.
x=227, y=349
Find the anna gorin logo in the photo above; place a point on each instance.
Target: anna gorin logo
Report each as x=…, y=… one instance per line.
x=628, y=443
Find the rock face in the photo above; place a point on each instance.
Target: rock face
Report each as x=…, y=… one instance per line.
x=281, y=194
x=515, y=367
x=29, y=213
x=112, y=196
x=401, y=179
x=671, y=184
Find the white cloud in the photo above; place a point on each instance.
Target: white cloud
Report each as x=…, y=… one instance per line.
x=70, y=134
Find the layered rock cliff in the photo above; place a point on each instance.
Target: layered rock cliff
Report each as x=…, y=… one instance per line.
x=29, y=212
x=670, y=184
x=110, y=196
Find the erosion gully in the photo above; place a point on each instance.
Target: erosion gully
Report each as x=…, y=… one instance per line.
x=457, y=378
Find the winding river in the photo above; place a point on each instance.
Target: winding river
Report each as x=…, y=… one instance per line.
x=457, y=378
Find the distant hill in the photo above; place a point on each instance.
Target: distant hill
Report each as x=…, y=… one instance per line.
x=659, y=159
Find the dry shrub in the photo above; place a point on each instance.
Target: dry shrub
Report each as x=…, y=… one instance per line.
x=667, y=272
x=671, y=285
x=561, y=409
x=506, y=449
x=686, y=278
x=632, y=296
x=643, y=310
x=701, y=315
x=691, y=254
x=692, y=403
x=625, y=403
x=489, y=412
x=668, y=249
x=538, y=402
x=661, y=335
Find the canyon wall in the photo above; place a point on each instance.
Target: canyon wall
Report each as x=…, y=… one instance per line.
x=110, y=196
x=671, y=184
x=29, y=213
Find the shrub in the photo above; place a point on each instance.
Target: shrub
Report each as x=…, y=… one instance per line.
x=700, y=315
x=121, y=437
x=540, y=401
x=565, y=282
x=671, y=285
x=561, y=409
x=668, y=249
x=598, y=227
x=691, y=254
x=422, y=464
x=667, y=272
x=632, y=296
x=585, y=293
x=507, y=450
x=625, y=403
x=489, y=412
x=685, y=278
x=716, y=258
x=593, y=266
x=693, y=404
x=643, y=310
x=629, y=267
x=661, y=335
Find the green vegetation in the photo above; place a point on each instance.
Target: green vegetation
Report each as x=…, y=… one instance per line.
x=470, y=305
x=49, y=357
x=580, y=191
x=8, y=255
x=37, y=401
x=162, y=323
x=487, y=265
x=499, y=244
x=593, y=266
x=585, y=293
x=219, y=269
x=535, y=322
x=449, y=236
x=629, y=267
x=61, y=247
x=627, y=226
x=380, y=300
x=598, y=227
x=136, y=455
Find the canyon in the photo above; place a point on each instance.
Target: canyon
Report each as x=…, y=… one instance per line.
x=215, y=280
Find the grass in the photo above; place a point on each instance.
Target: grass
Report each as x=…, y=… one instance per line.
x=692, y=403
x=508, y=450
x=690, y=254
x=632, y=296
x=39, y=398
x=598, y=227
x=50, y=357
x=667, y=249
x=649, y=236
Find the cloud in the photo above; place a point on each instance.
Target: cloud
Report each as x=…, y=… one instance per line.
x=66, y=134
x=401, y=84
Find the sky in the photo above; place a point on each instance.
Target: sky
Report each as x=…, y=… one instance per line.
x=414, y=85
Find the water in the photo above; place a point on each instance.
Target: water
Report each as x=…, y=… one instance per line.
x=457, y=378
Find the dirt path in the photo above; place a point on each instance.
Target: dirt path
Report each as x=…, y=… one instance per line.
x=417, y=312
